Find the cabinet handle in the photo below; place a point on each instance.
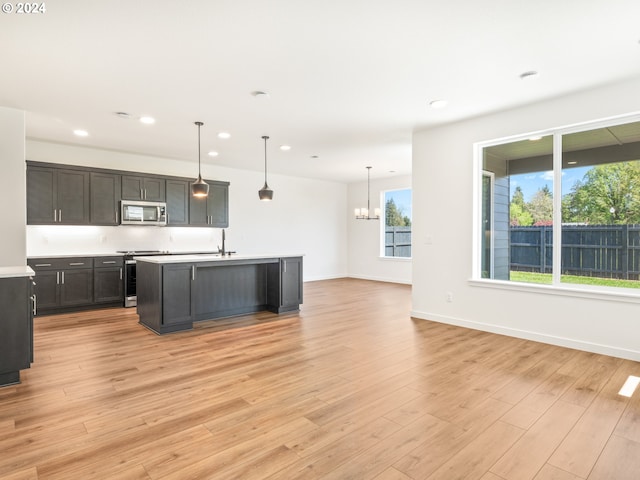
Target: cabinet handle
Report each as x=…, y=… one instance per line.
x=120, y=273
x=117, y=217
x=57, y=278
x=43, y=264
x=141, y=194
x=111, y=262
x=55, y=215
x=193, y=272
x=284, y=264
x=35, y=304
x=76, y=264
x=60, y=215
x=62, y=278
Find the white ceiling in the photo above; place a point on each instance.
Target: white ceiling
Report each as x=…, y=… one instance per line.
x=348, y=80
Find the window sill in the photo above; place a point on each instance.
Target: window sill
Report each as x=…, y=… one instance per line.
x=396, y=259
x=610, y=294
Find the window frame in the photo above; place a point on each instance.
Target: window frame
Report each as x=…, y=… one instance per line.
x=556, y=287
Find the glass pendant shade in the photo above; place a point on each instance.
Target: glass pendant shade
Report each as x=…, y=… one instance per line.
x=199, y=188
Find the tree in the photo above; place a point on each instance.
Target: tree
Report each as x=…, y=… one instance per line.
x=393, y=215
x=518, y=197
x=608, y=194
x=519, y=216
x=541, y=207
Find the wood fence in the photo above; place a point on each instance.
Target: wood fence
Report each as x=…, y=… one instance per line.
x=397, y=241
x=609, y=251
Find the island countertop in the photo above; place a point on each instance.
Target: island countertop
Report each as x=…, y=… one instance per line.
x=213, y=257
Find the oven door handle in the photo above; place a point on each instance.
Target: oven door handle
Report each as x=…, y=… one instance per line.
x=130, y=262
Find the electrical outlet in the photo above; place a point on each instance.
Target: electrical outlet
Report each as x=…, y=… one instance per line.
x=449, y=296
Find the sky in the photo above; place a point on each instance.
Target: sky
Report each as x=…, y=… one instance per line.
x=530, y=183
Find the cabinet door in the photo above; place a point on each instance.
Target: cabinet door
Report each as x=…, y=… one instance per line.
x=41, y=195
x=76, y=286
x=154, y=189
x=291, y=271
x=218, y=205
x=132, y=188
x=46, y=288
x=177, y=202
x=73, y=197
x=108, y=284
x=198, y=214
x=177, y=293
x=105, y=197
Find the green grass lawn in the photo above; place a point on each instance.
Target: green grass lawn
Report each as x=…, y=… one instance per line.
x=530, y=277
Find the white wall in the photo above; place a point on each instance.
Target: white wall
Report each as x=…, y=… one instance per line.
x=306, y=216
x=442, y=225
x=365, y=237
x=13, y=196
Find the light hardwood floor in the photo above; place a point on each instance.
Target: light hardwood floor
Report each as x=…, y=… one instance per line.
x=349, y=388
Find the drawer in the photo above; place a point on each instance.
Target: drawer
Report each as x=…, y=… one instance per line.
x=57, y=263
x=103, y=262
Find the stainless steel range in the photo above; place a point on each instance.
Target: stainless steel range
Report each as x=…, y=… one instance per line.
x=130, y=297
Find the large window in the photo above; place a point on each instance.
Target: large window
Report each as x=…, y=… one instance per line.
x=563, y=208
x=397, y=223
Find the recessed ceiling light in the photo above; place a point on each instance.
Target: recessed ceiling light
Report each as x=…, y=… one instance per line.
x=224, y=135
x=438, y=103
x=212, y=154
x=531, y=74
x=81, y=133
x=147, y=120
x=285, y=147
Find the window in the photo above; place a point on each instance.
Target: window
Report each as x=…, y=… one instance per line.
x=563, y=208
x=397, y=223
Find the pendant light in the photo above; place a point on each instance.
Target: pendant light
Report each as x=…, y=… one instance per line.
x=265, y=193
x=199, y=188
x=363, y=213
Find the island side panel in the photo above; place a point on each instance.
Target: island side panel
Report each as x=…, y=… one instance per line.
x=225, y=290
x=149, y=292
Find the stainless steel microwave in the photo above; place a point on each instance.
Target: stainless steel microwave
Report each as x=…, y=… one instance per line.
x=143, y=213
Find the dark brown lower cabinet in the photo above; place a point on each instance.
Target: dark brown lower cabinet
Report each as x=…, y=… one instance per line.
x=65, y=284
x=16, y=327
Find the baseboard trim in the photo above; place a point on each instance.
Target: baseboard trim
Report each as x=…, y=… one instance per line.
x=528, y=335
x=380, y=279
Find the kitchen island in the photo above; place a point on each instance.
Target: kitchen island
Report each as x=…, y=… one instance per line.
x=176, y=290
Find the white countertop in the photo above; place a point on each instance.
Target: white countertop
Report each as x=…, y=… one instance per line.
x=208, y=258
x=21, y=271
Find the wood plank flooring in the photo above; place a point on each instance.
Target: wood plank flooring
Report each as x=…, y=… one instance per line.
x=349, y=388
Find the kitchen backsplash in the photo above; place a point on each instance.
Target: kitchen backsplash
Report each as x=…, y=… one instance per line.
x=45, y=240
